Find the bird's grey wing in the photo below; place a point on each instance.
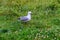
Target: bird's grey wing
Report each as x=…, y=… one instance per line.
x=24, y=18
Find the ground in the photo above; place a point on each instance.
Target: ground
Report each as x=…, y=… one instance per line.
x=45, y=23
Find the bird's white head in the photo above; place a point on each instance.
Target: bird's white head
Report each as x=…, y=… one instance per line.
x=29, y=12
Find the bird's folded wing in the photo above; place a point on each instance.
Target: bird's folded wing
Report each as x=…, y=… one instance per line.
x=24, y=18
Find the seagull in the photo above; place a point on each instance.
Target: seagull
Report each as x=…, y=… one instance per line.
x=26, y=18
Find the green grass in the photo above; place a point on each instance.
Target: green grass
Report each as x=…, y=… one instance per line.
x=45, y=23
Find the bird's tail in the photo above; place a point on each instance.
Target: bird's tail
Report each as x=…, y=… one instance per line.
x=18, y=19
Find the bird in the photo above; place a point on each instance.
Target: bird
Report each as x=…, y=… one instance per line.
x=25, y=18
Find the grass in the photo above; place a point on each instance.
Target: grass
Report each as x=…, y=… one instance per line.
x=45, y=23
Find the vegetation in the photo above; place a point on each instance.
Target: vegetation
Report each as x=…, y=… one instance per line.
x=45, y=23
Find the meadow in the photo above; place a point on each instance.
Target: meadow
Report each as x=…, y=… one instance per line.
x=44, y=25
